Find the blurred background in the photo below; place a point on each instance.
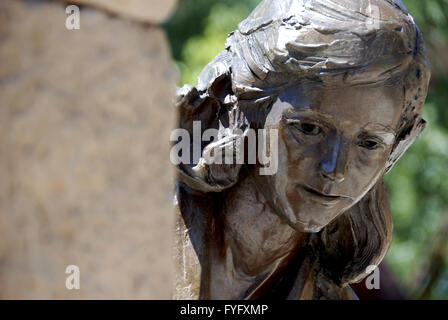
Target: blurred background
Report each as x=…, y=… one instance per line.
x=85, y=117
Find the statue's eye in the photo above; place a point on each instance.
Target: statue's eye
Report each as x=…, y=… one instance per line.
x=309, y=129
x=369, y=144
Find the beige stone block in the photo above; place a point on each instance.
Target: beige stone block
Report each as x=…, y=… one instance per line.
x=150, y=11
x=85, y=118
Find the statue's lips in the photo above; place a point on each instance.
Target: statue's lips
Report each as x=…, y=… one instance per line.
x=320, y=197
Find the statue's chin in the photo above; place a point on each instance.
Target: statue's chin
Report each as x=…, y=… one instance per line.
x=305, y=226
x=313, y=229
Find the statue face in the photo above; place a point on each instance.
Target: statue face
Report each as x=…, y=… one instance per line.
x=333, y=145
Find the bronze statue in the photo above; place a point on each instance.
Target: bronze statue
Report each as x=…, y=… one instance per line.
x=339, y=86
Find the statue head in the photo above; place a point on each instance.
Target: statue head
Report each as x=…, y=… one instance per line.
x=342, y=83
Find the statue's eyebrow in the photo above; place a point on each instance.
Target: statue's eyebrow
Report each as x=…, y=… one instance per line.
x=312, y=111
x=385, y=132
x=373, y=126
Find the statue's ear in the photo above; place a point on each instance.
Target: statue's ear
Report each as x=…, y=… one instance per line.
x=359, y=238
x=411, y=126
x=405, y=139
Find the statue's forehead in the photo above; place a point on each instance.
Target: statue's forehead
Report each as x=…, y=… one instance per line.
x=379, y=108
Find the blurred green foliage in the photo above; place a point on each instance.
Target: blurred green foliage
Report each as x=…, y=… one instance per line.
x=418, y=184
x=198, y=31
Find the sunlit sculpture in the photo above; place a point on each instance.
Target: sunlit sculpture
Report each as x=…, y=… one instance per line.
x=338, y=88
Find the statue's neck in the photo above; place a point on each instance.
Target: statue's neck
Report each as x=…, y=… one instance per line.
x=255, y=240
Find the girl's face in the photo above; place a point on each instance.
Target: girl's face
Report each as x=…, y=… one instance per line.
x=332, y=148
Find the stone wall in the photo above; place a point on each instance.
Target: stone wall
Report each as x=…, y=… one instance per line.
x=85, y=177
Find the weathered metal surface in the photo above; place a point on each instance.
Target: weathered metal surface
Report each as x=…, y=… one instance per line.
x=343, y=83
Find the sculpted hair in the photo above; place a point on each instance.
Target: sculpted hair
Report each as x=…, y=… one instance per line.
x=328, y=43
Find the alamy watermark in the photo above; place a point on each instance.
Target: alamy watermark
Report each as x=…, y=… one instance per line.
x=373, y=14
x=227, y=146
x=373, y=280
x=73, y=21
x=73, y=280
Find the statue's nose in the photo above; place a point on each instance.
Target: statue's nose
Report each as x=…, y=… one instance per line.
x=337, y=178
x=333, y=164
